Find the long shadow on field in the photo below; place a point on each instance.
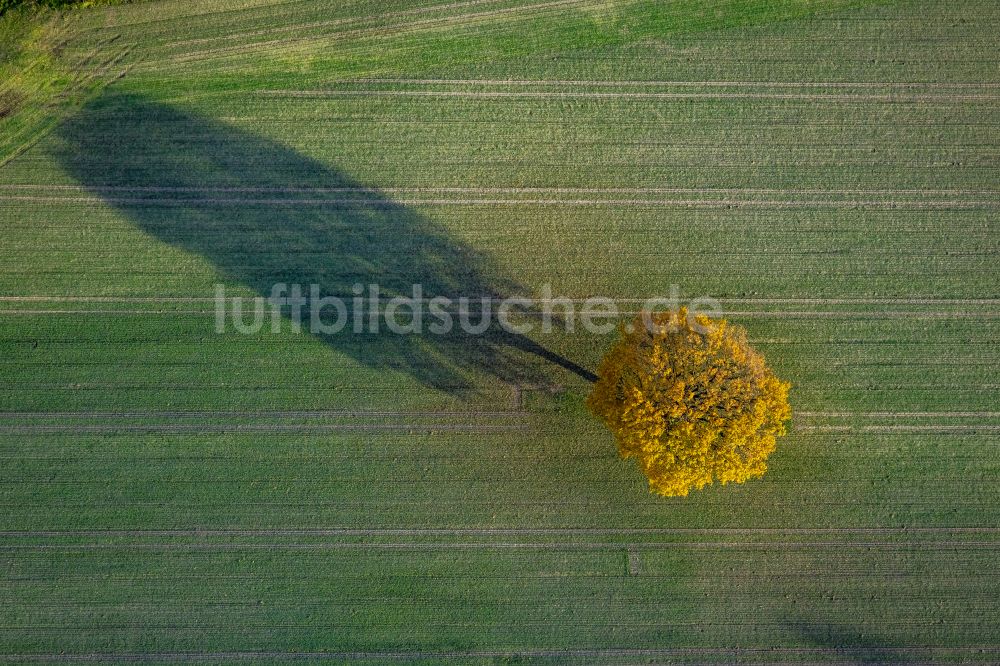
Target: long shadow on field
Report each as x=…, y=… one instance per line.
x=264, y=214
x=860, y=647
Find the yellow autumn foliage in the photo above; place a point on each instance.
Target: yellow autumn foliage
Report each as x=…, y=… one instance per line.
x=691, y=401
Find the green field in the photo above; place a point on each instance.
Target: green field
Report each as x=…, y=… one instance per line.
x=827, y=170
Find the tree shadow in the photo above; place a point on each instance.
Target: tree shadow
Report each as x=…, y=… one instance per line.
x=857, y=646
x=264, y=214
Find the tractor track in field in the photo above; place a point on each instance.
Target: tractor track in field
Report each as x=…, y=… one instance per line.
x=533, y=94
x=498, y=531
x=360, y=413
x=349, y=387
x=258, y=427
x=925, y=428
x=105, y=312
x=875, y=314
x=532, y=653
x=837, y=414
x=513, y=420
x=834, y=546
x=372, y=504
x=293, y=421
x=387, y=203
x=494, y=190
x=520, y=545
x=619, y=83
x=325, y=413
x=768, y=301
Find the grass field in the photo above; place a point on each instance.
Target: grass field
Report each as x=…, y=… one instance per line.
x=827, y=171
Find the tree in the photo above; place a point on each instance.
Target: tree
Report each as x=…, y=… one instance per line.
x=691, y=401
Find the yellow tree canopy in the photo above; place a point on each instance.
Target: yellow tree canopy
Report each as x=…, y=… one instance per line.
x=691, y=401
